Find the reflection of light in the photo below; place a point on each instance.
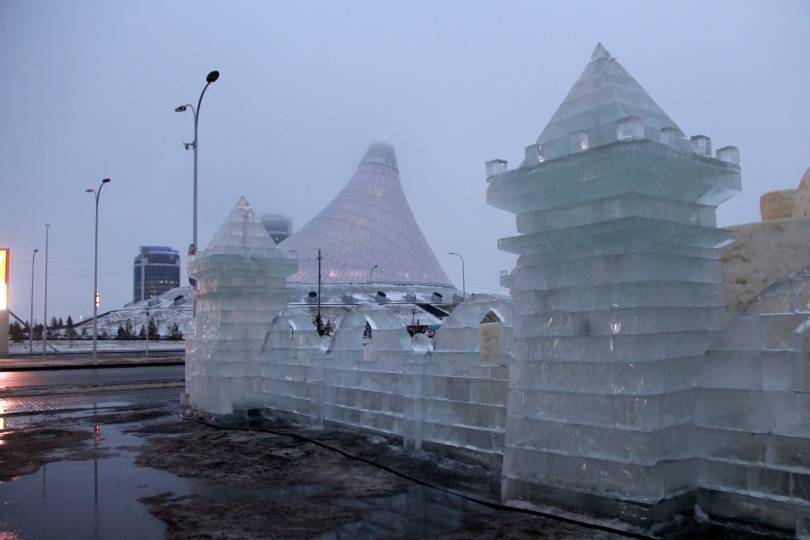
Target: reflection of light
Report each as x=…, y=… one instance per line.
x=2, y=422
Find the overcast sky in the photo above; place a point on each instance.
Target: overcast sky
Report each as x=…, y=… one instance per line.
x=88, y=89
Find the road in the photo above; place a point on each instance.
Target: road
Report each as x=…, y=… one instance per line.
x=89, y=377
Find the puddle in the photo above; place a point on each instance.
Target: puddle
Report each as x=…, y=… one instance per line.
x=91, y=498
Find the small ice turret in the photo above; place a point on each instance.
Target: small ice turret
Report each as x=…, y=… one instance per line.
x=241, y=286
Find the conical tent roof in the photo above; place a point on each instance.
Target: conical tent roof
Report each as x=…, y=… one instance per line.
x=603, y=94
x=367, y=233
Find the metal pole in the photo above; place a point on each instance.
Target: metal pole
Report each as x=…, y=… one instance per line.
x=194, y=230
x=95, y=273
x=95, y=281
x=319, y=290
x=31, y=317
x=45, y=306
x=463, y=280
x=196, y=123
x=147, y=332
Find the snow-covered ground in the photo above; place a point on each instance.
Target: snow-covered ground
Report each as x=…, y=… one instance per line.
x=171, y=307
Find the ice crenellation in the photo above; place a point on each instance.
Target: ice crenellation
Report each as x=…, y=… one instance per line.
x=612, y=381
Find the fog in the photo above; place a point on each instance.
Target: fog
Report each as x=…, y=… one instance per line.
x=89, y=90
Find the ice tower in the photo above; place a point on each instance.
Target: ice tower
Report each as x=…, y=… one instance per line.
x=241, y=286
x=617, y=293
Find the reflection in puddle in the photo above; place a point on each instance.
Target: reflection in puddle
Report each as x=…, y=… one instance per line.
x=92, y=498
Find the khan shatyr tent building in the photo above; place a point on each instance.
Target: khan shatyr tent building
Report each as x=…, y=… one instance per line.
x=368, y=237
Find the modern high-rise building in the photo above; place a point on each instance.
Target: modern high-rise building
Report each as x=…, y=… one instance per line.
x=278, y=226
x=156, y=270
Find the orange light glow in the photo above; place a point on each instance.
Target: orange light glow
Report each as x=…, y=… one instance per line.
x=3, y=279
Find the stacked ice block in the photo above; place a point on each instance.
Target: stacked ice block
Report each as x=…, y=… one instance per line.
x=241, y=287
x=617, y=293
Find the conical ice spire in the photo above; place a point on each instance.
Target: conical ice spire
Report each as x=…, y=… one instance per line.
x=242, y=234
x=603, y=94
x=367, y=233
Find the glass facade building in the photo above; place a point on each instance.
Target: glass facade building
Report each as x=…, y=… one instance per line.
x=278, y=226
x=156, y=270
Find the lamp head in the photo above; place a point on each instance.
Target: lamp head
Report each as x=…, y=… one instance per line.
x=105, y=180
x=89, y=190
x=180, y=108
x=213, y=76
x=36, y=251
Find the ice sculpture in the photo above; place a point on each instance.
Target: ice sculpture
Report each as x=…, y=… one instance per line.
x=617, y=292
x=241, y=287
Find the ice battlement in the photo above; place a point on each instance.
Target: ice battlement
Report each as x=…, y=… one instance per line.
x=628, y=129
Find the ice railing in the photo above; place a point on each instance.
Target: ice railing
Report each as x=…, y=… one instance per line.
x=630, y=128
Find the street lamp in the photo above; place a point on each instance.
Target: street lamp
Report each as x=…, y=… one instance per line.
x=213, y=76
x=45, y=306
x=371, y=272
x=97, y=193
x=31, y=317
x=463, y=281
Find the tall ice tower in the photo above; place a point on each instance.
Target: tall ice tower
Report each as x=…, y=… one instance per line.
x=617, y=294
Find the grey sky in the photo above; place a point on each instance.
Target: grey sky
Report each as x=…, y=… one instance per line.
x=88, y=91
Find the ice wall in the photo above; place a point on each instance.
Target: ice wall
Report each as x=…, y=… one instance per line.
x=241, y=287
x=439, y=394
x=752, y=414
x=617, y=293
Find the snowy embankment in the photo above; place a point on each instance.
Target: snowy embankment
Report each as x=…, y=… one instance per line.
x=103, y=345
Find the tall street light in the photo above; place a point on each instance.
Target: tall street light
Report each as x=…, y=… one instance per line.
x=463, y=281
x=31, y=317
x=45, y=306
x=213, y=76
x=97, y=193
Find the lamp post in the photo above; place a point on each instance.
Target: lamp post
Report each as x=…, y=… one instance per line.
x=463, y=281
x=97, y=193
x=371, y=272
x=31, y=317
x=45, y=305
x=213, y=76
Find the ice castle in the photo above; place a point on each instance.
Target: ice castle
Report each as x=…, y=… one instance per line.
x=614, y=381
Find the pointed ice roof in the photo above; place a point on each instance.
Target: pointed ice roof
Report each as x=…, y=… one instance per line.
x=368, y=225
x=242, y=234
x=603, y=94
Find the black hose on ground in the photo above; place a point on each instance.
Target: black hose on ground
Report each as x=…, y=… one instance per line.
x=482, y=502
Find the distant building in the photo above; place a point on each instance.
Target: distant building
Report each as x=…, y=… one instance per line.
x=278, y=226
x=156, y=270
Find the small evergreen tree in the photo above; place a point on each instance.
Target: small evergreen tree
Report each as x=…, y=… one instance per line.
x=142, y=332
x=60, y=323
x=54, y=324
x=174, y=332
x=15, y=330
x=84, y=332
x=38, y=331
x=153, y=330
x=121, y=334
x=129, y=330
x=71, y=331
x=104, y=334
